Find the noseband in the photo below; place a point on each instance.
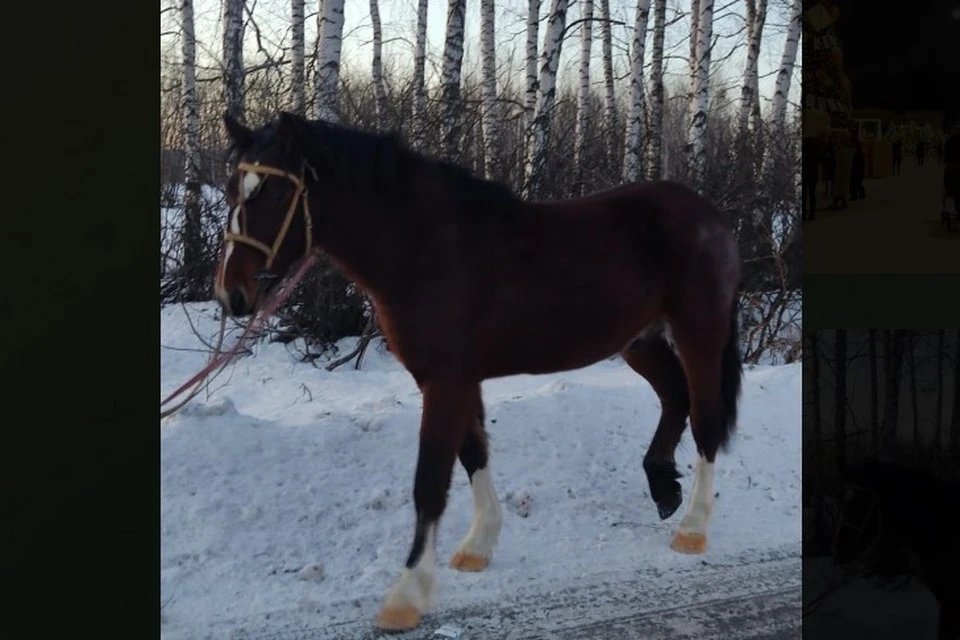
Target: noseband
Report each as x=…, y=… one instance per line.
x=300, y=194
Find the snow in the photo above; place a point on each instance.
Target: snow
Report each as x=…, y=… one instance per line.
x=287, y=492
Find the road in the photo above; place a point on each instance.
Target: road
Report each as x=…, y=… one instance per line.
x=895, y=229
x=758, y=598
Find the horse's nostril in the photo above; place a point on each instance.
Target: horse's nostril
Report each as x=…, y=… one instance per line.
x=238, y=303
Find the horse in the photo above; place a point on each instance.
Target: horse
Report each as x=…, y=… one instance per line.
x=469, y=282
x=899, y=522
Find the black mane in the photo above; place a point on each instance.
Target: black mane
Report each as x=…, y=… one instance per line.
x=381, y=163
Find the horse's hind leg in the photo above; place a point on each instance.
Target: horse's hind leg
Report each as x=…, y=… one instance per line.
x=448, y=409
x=477, y=547
x=651, y=356
x=711, y=361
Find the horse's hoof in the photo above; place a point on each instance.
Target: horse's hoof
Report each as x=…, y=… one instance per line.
x=668, y=506
x=463, y=561
x=691, y=543
x=397, y=619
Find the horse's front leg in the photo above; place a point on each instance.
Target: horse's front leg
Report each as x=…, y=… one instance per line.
x=447, y=412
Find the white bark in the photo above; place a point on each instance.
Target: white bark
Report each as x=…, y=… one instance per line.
x=419, y=85
x=655, y=147
x=452, y=64
x=533, y=81
x=191, y=142
x=546, y=96
x=636, y=121
x=297, y=75
x=379, y=88
x=749, y=92
x=697, y=138
x=778, y=114
x=583, y=95
x=609, y=92
x=488, y=52
x=330, y=39
x=233, y=57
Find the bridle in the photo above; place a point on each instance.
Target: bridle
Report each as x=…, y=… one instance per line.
x=299, y=195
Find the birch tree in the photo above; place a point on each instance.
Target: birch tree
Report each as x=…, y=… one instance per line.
x=233, y=57
x=192, y=242
x=609, y=89
x=697, y=138
x=379, y=88
x=655, y=131
x=330, y=39
x=452, y=64
x=749, y=117
x=778, y=115
x=488, y=52
x=546, y=96
x=533, y=81
x=583, y=92
x=636, y=121
x=297, y=75
x=419, y=64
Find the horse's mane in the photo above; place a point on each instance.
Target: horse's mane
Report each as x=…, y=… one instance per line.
x=381, y=163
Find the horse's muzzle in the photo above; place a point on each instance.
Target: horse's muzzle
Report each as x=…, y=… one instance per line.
x=238, y=305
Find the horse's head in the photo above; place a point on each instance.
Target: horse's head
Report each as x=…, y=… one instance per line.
x=269, y=226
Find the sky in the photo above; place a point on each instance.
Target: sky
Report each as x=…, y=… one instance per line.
x=915, y=66
x=399, y=24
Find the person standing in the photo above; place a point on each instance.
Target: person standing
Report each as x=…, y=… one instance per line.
x=857, y=192
x=897, y=155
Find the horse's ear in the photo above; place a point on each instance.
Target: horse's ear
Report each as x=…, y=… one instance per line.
x=290, y=126
x=239, y=134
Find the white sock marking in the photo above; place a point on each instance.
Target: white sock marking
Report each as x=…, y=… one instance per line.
x=484, y=533
x=415, y=586
x=701, y=499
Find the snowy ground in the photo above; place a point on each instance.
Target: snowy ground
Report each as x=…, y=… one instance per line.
x=290, y=465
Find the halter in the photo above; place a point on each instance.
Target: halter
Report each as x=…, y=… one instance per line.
x=300, y=194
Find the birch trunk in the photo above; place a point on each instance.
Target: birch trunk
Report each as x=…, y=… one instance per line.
x=941, y=349
x=297, y=75
x=697, y=138
x=452, y=65
x=750, y=90
x=192, y=237
x=609, y=92
x=893, y=372
x=488, y=51
x=379, y=88
x=655, y=147
x=778, y=115
x=233, y=57
x=955, y=418
x=583, y=94
x=636, y=121
x=330, y=39
x=533, y=81
x=840, y=396
x=874, y=393
x=419, y=83
x=546, y=96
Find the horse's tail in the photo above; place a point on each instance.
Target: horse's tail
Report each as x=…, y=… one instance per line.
x=731, y=374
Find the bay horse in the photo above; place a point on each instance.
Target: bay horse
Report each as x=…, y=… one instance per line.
x=470, y=283
x=901, y=522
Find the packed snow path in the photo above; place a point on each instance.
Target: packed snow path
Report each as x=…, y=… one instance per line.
x=291, y=467
x=895, y=229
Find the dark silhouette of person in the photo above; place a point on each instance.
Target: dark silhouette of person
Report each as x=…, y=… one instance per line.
x=897, y=156
x=812, y=155
x=857, y=192
x=921, y=151
x=828, y=169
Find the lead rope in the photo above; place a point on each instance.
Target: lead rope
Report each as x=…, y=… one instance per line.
x=222, y=359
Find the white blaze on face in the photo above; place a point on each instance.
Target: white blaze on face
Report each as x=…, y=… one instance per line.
x=250, y=183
